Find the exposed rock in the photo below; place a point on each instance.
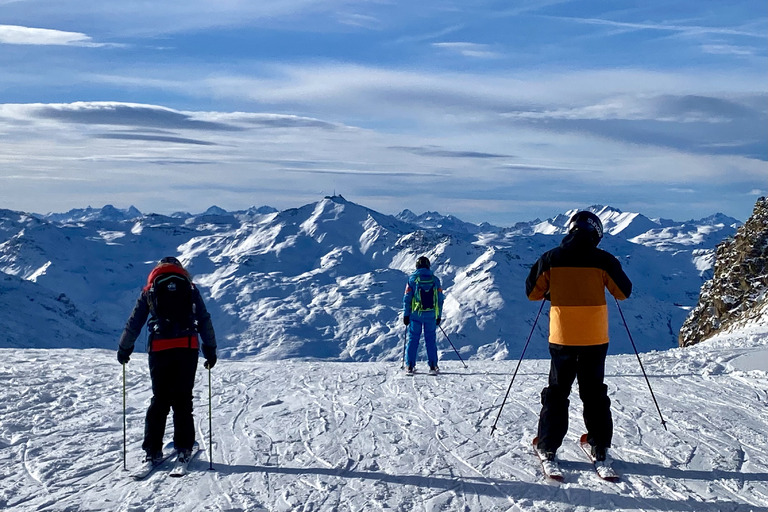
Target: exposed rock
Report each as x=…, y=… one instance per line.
x=737, y=292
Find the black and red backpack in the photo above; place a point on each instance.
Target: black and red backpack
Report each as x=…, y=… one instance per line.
x=170, y=294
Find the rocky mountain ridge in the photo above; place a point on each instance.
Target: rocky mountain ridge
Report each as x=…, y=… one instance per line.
x=738, y=290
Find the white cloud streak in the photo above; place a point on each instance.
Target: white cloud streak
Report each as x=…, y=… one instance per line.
x=474, y=50
x=682, y=29
x=14, y=34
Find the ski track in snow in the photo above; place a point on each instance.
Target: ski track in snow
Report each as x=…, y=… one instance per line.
x=314, y=436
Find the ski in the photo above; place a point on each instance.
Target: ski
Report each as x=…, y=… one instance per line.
x=182, y=465
x=602, y=468
x=550, y=468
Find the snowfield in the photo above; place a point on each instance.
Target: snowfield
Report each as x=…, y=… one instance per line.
x=332, y=436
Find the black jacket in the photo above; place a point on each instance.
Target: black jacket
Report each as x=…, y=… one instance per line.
x=141, y=312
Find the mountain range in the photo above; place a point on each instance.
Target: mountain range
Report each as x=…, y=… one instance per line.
x=324, y=281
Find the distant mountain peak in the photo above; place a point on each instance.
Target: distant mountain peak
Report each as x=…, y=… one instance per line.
x=215, y=210
x=105, y=213
x=447, y=223
x=337, y=198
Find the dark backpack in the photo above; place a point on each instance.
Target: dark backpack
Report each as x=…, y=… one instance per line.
x=171, y=302
x=425, y=294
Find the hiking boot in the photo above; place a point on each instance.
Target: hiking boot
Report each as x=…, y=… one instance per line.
x=598, y=453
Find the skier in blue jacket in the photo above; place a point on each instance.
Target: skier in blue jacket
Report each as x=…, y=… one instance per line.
x=422, y=306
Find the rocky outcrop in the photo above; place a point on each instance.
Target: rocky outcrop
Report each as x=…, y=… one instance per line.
x=738, y=290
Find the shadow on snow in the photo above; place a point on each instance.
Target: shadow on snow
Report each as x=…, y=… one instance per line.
x=494, y=487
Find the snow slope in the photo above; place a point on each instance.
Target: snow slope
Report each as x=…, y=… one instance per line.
x=333, y=436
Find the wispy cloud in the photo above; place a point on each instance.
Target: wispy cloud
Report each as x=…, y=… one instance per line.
x=127, y=114
x=153, y=138
x=14, y=34
x=667, y=27
x=428, y=36
x=358, y=20
x=544, y=168
x=474, y=50
x=728, y=49
x=434, y=151
x=360, y=172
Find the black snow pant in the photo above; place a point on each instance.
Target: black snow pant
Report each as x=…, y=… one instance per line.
x=173, y=377
x=587, y=365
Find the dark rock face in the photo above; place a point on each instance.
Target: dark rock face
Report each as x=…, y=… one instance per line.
x=739, y=288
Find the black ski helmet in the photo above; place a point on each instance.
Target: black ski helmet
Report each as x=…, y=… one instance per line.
x=422, y=262
x=588, y=222
x=172, y=260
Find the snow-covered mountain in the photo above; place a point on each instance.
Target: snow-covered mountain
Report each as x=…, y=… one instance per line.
x=443, y=223
x=325, y=280
x=105, y=213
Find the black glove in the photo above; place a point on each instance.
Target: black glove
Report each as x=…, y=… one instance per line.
x=406, y=320
x=437, y=322
x=209, y=353
x=123, y=355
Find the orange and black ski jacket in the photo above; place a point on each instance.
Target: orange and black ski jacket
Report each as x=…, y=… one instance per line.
x=574, y=277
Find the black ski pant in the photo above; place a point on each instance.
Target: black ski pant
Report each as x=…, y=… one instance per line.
x=586, y=364
x=173, y=377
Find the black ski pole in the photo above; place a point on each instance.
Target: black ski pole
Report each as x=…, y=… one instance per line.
x=663, y=423
x=493, y=428
x=210, y=424
x=454, y=348
x=405, y=344
x=125, y=437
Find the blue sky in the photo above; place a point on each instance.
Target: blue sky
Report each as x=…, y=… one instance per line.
x=491, y=111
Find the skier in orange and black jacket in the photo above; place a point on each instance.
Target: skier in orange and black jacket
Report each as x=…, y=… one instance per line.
x=574, y=277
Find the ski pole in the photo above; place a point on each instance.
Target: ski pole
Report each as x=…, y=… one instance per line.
x=663, y=423
x=454, y=348
x=493, y=428
x=125, y=437
x=405, y=344
x=210, y=425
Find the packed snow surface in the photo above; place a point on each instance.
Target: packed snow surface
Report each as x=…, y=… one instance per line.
x=334, y=436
